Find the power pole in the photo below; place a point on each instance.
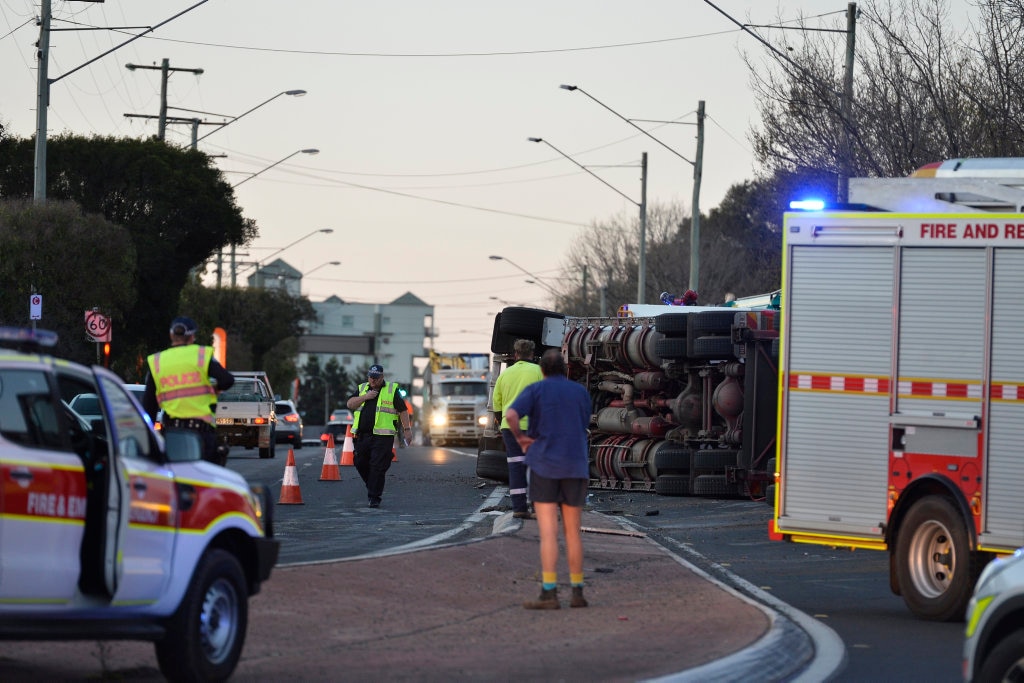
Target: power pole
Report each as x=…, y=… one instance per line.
x=641, y=281
x=698, y=171
x=165, y=72
x=42, y=100
x=846, y=164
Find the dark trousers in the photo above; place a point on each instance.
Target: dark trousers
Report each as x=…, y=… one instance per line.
x=516, y=472
x=372, y=458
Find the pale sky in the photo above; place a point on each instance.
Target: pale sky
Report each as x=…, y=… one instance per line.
x=421, y=112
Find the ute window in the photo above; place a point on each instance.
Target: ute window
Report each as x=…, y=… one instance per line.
x=133, y=435
x=28, y=415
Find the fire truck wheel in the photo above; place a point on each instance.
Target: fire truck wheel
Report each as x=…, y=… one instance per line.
x=712, y=348
x=525, y=322
x=671, y=324
x=672, y=485
x=1003, y=663
x=670, y=348
x=492, y=465
x=934, y=564
x=205, y=636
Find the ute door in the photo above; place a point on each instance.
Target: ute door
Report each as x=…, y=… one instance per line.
x=42, y=493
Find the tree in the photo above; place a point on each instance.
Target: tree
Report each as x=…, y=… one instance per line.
x=314, y=379
x=76, y=261
x=175, y=205
x=925, y=91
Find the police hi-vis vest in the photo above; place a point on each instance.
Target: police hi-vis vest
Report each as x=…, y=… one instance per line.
x=386, y=417
x=182, y=378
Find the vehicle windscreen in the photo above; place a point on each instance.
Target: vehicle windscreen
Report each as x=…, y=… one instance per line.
x=242, y=390
x=464, y=389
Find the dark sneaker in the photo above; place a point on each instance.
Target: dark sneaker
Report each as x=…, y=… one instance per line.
x=548, y=600
x=577, y=597
x=522, y=514
x=375, y=503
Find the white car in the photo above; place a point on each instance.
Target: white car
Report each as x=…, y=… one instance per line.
x=112, y=531
x=994, y=644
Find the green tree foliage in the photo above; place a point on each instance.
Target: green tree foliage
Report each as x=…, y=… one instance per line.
x=175, y=205
x=75, y=261
x=313, y=378
x=260, y=325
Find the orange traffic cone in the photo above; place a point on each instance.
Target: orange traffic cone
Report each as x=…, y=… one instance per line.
x=290, y=492
x=330, y=469
x=348, y=450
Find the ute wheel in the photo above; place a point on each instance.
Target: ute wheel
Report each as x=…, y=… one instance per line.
x=934, y=564
x=205, y=636
x=672, y=485
x=1006, y=660
x=492, y=465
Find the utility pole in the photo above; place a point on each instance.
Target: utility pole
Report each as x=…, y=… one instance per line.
x=698, y=171
x=42, y=100
x=641, y=281
x=843, y=191
x=165, y=72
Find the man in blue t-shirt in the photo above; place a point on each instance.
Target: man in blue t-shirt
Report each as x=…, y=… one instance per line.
x=555, y=445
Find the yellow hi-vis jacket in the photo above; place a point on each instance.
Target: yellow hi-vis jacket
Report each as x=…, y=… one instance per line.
x=386, y=417
x=182, y=378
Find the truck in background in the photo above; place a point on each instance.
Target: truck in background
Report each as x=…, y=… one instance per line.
x=246, y=415
x=455, y=389
x=881, y=407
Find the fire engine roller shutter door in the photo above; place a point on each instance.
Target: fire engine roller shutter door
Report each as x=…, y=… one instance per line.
x=941, y=342
x=1005, y=479
x=838, y=324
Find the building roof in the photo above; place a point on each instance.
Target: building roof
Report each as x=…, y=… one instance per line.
x=408, y=299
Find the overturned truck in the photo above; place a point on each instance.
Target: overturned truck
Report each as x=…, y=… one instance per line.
x=684, y=397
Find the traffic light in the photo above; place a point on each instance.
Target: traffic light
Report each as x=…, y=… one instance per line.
x=402, y=392
x=106, y=354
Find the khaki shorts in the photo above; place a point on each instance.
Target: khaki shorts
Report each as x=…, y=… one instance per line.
x=563, y=491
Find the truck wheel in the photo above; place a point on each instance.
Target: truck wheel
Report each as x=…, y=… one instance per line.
x=714, y=460
x=712, y=348
x=501, y=343
x=672, y=485
x=710, y=323
x=934, y=561
x=492, y=465
x=525, y=322
x=268, y=452
x=205, y=636
x=670, y=348
x=671, y=324
x=1006, y=660
x=672, y=459
x=714, y=485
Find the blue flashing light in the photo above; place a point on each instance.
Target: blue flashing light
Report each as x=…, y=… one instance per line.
x=807, y=205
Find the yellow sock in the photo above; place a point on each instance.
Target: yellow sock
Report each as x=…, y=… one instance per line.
x=549, y=579
x=576, y=579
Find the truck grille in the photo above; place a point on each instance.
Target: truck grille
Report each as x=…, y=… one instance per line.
x=459, y=416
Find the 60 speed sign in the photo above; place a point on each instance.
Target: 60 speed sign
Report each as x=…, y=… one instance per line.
x=97, y=326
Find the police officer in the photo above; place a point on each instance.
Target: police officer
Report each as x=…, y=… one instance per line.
x=179, y=383
x=378, y=407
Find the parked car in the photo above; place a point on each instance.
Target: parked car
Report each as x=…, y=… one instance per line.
x=289, y=424
x=994, y=643
x=87, y=405
x=337, y=429
x=341, y=415
x=112, y=531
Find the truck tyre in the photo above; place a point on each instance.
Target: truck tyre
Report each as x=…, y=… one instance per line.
x=501, y=343
x=492, y=465
x=668, y=460
x=714, y=485
x=710, y=323
x=934, y=564
x=267, y=452
x=205, y=636
x=714, y=460
x=712, y=348
x=525, y=322
x=672, y=485
x=670, y=348
x=1006, y=660
x=671, y=324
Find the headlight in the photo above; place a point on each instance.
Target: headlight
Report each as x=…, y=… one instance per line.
x=439, y=419
x=482, y=420
x=259, y=497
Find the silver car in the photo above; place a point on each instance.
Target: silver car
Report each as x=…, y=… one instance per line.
x=994, y=644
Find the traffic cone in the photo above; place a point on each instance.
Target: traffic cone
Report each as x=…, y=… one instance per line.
x=348, y=450
x=290, y=492
x=330, y=469
x=394, y=453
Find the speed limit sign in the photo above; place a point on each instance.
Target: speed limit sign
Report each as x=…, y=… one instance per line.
x=97, y=326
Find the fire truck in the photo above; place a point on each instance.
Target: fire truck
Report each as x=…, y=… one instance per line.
x=880, y=406
x=901, y=409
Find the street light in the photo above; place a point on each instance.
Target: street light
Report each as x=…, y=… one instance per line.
x=698, y=171
x=537, y=279
x=641, y=279
x=325, y=231
x=329, y=263
x=301, y=151
x=220, y=126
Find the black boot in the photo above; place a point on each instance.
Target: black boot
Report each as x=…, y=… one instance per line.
x=548, y=600
x=577, y=597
